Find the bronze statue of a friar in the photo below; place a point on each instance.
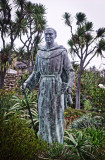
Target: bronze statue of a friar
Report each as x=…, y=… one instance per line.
x=55, y=74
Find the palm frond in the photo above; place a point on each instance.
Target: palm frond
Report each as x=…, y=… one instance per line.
x=81, y=18
x=67, y=18
x=101, y=47
x=80, y=31
x=70, y=43
x=102, y=44
x=88, y=26
x=19, y=2
x=101, y=32
x=88, y=37
x=70, y=138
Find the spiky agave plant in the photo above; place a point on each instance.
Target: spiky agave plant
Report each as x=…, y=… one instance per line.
x=79, y=145
x=86, y=121
x=20, y=108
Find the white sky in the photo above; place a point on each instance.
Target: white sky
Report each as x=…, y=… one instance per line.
x=94, y=10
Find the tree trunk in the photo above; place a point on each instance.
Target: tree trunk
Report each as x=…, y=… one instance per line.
x=2, y=76
x=78, y=87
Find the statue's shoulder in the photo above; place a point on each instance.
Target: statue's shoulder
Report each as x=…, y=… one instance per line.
x=41, y=48
x=62, y=47
x=55, y=47
x=52, y=52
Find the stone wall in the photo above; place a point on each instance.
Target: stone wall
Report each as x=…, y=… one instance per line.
x=11, y=78
x=10, y=81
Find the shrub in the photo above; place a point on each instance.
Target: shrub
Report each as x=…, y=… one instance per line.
x=5, y=97
x=20, y=108
x=58, y=151
x=25, y=76
x=86, y=121
x=73, y=112
x=98, y=98
x=97, y=135
x=79, y=144
x=87, y=105
x=18, y=142
x=88, y=143
x=90, y=90
x=97, y=139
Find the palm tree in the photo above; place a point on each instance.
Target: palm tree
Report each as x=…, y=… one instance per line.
x=85, y=44
x=29, y=18
x=3, y=64
x=32, y=27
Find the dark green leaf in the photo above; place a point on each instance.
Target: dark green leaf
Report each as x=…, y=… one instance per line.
x=70, y=42
x=101, y=32
x=80, y=31
x=75, y=38
x=81, y=18
x=102, y=44
x=88, y=37
x=89, y=26
x=67, y=17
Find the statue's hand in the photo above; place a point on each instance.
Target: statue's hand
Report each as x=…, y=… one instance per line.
x=68, y=90
x=69, y=99
x=23, y=87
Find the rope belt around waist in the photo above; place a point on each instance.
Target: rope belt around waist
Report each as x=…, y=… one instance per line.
x=52, y=75
x=60, y=86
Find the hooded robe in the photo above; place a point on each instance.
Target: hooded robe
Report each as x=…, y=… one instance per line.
x=54, y=72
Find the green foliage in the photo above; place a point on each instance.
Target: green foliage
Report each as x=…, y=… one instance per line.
x=32, y=26
x=58, y=151
x=80, y=31
x=79, y=144
x=87, y=105
x=67, y=18
x=81, y=18
x=98, y=98
x=29, y=20
x=97, y=135
x=74, y=112
x=24, y=77
x=102, y=114
x=17, y=141
x=85, y=43
x=83, y=36
x=5, y=97
x=88, y=37
x=4, y=64
x=86, y=121
x=90, y=79
x=20, y=108
x=90, y=90
x=91, y=140
x=100, y=47
x=88, y=26
x=97, y=139
x=100, y=32
x=70, y=42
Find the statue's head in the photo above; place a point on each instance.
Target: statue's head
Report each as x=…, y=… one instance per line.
x=50, y=35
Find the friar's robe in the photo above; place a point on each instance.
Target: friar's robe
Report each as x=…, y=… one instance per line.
x=54, y=72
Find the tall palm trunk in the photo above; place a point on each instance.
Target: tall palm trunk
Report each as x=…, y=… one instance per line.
x=2, y=76
x=78, y=88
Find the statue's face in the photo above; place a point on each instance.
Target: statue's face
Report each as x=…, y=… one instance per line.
x=49, y=36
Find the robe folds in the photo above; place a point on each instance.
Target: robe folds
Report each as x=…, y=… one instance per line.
x=54, y=72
